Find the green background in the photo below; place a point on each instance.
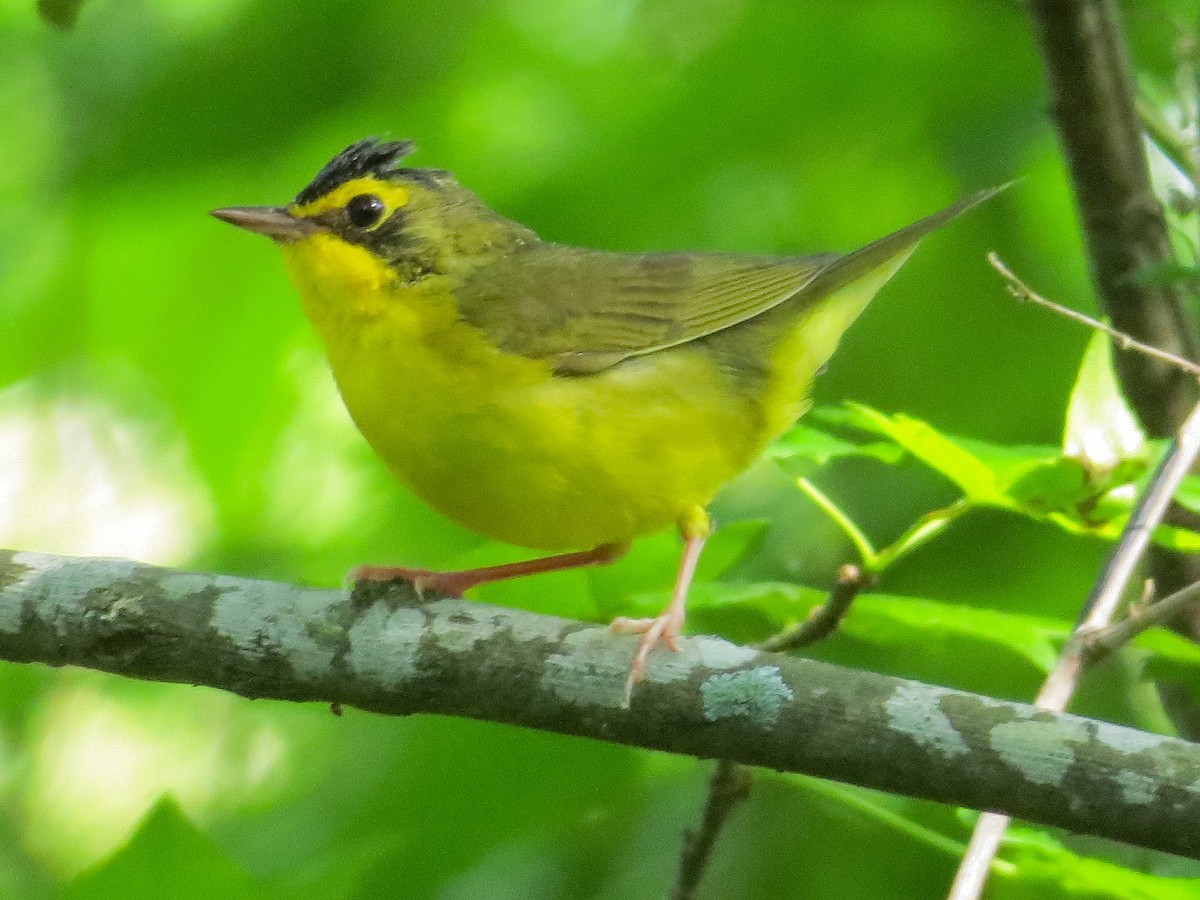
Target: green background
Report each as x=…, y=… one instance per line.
x=162, y=397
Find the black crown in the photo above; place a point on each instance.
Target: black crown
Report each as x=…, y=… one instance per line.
x=367, y=157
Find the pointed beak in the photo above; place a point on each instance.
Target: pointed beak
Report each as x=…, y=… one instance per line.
x=273, y=221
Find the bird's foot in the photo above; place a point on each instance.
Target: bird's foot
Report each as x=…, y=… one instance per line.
x=664, y=629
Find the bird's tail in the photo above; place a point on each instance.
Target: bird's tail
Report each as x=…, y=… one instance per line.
x=894, y=247
x=831, y=302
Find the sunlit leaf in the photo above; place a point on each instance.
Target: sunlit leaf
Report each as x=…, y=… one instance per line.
x=805, y=447
x=1032, y=480
x=1046, y=870
x=1188, y=493
x=1182, y=539
x=936, y=450
x=1101, y=429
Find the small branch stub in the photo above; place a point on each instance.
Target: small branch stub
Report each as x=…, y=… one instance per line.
x=730, y=783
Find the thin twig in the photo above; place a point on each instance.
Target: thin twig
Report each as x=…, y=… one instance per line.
x=824, y=619
x=1021, y=291
x=1097, y=613
x=730, y=783
x=1099, y=644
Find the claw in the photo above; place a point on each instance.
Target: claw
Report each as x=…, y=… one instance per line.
x=665, y=629
x=667, y=626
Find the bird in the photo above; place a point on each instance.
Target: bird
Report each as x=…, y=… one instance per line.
x=557, y=398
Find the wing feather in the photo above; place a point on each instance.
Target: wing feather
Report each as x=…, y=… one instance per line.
x=569, y=305
x=586, y=310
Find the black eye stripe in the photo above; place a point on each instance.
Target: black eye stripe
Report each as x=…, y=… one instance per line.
x=364, y=210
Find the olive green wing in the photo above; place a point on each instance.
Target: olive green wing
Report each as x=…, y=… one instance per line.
x=586, y=310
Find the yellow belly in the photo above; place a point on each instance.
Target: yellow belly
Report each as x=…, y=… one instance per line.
x=503, y=447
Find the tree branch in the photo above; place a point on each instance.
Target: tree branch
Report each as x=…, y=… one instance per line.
x=1093, y=104
x=386, y=650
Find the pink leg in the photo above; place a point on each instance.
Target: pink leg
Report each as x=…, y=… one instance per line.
x=695, y=527
x=455, y=583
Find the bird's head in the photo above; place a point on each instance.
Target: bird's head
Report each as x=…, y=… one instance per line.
x=365, y=222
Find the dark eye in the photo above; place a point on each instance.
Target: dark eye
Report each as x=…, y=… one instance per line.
x=364, y=210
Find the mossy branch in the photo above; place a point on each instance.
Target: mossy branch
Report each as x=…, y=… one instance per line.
x=386, y=650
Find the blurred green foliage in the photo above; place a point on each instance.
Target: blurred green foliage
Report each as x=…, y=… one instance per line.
x=161, y=397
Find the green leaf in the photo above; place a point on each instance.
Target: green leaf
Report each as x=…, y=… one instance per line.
x=1166, y=273
x=953, y=638
x=779, y=603
x=1049, y=485
x=1188, y=493
x=1032, y=866
x=1101, y=429
x=1037, y=478
x=1174, y=538
x=727, y=546
x=804, y=448
x=1169, y=536
x=1170, y=657
x=1043, y=869
x=866, y=803
x=1033, y=480
x=340, y=874
x=167, y=857
x=976, y=480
